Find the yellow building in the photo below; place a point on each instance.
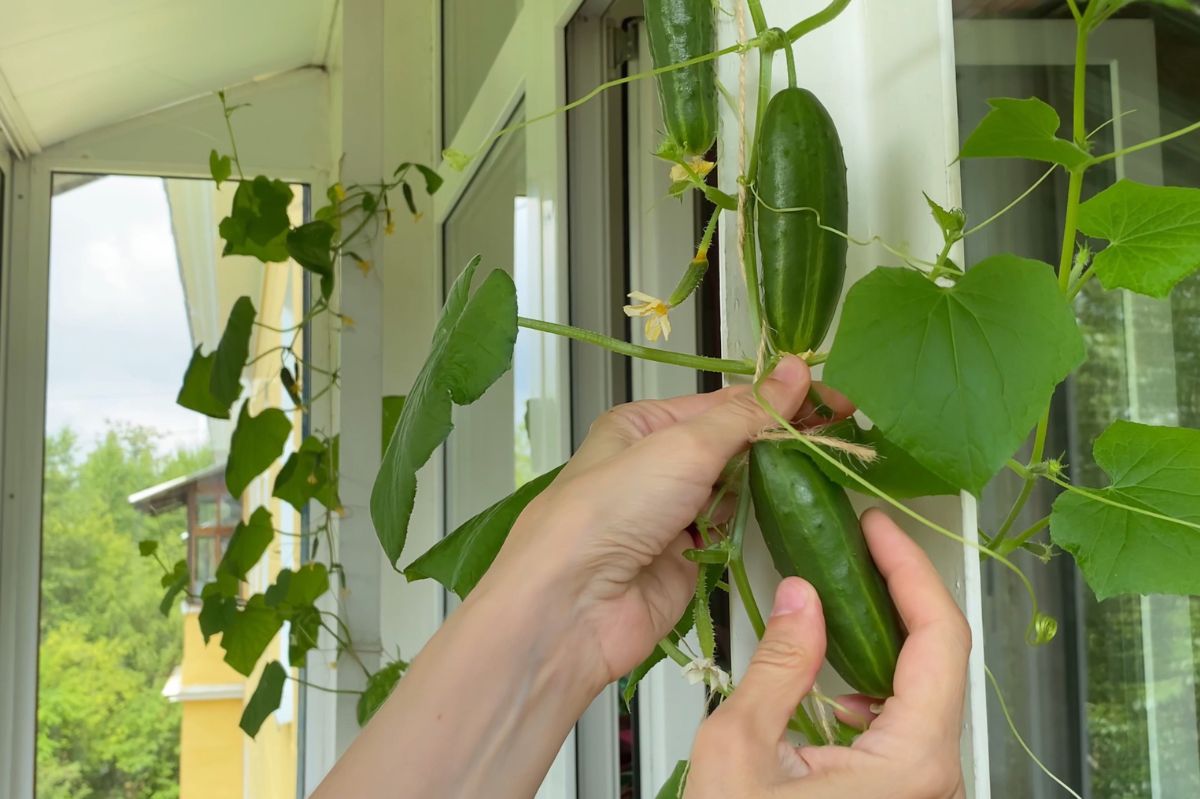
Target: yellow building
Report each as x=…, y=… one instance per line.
x=217, y=760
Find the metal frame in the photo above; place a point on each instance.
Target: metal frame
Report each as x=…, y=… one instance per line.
x=173, y=142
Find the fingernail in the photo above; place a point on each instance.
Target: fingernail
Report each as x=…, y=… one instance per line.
x=792, y=596
x=790, y=370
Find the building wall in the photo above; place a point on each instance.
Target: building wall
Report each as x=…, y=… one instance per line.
x=210, y=764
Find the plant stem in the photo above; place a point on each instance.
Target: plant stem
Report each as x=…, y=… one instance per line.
x=314, y=686
x=1012, y=204
x=747, y=209
x=737, y=566
x=1075, y=10
x=1038, y=451
x=232, y=139
x=823, y=17
x=1100, y=159
x=791, y=66
x=1030, y=532
x=674, y=652
x=757, y=16
x=1070, y=227
x=700, y=362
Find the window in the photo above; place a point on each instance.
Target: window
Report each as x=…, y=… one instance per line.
x=472, y=35
x=129, y=699
x=1111, y=705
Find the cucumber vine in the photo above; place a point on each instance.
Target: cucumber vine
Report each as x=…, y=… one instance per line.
x=992, y=382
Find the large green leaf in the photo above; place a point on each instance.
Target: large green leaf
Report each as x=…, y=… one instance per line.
x=265, y=699
x=1022, y=129
x=893, y=470
x=308, y=473
x=379, y=687
x=460, y=559
x=250, y=540
x=196, y=393
x=472, y=347
x=175, y=581
x=258, y=222
x=392, y=406
x=1119, y=550
x=248, y=632
x=1153, y=235
x=220, y=606
x=255, y=444
x=956, y=376
x=311, y=246
x=294, y=596
x=225, y=381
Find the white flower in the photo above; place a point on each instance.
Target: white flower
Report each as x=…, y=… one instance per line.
x=655, y=311
x=704, y=670
x=944, y=282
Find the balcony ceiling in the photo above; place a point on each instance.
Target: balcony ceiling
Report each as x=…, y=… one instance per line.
x=70, y=66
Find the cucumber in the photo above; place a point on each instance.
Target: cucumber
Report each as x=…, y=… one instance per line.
x=803, y=267
x=812, y=531
x=681, y=30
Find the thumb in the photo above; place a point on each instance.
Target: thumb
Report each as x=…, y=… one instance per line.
x=786, y=663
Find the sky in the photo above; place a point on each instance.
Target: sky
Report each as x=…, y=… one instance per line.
x=118, y=335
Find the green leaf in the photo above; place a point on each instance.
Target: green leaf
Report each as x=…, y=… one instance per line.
x=311, y=246
x=219, y=608
x=147, y=548
x=306, y=474
x=258, y=222
x=720, y=199
x=460, y=559
x=407, y=192
x=956, y=376
x=379, y=688
x=293, y=591
x=1121, y=551
x=433, y=181
x=1022, y=129
x=265, y=699
x=195, y=394
x=1153, y=235
x=472, y=347
x=256, y=442
x=392, y=406
x=248, y=631
x=250, y=540
x=457, y=159
x=951, y=222
x=175, y=581
x=225, y=380
x=1113, y=6
x=893, y=471
x=673, y=787
x=220, y=167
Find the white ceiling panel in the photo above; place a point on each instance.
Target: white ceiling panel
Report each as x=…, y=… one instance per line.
x=69, y=66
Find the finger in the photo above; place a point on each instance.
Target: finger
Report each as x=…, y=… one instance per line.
x=834, y=406
x=615, y=430
x=931, y=672
x=705, y=442
x=857, y=710
x=784, y=666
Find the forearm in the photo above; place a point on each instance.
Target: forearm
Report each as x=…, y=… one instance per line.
x=484, y=707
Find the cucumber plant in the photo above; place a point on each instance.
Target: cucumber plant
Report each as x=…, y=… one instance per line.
x=993, y=344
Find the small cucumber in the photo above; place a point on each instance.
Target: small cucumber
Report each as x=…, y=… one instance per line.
x=681, y=30
x=812, y=531
x=803, y=267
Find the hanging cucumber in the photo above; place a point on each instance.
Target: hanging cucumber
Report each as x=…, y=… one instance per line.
x=681, y=30
x=811, y=531
x=803, y=267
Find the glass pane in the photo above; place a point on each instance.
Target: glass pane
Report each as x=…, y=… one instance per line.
x=485, y=458
x=1111, y=704
x=125, y=705
x=472, y=35
x=206, y=512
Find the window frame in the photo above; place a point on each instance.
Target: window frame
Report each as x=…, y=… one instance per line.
x=173, y=142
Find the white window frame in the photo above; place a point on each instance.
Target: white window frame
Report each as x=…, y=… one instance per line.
x=174, y=143
x=872, y=67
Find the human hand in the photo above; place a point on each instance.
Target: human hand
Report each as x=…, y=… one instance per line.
x=610, y=532
x=909, y=751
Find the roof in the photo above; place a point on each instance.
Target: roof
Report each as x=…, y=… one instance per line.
x=70, y=66
x=171, y=494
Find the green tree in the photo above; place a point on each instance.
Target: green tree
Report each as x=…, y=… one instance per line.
x=104, y=729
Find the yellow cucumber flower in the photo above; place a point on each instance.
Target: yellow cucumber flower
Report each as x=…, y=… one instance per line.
x=654, y=310
x=698, y=166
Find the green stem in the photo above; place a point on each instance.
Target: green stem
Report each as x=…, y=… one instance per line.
x=1012, y=204
x=738, y=47
x=823, y=17
x=316, y=687
x=757, y=16
x=1071, y=226
x=1075, y=10
x=674, y=652
x=232, y=139
x=1030, y=531
x=1100, y=159
x=748, y=212
x=700, y=362
x=1012, y=727
x=1038, y=451
x=737, y=566
x=791, y=66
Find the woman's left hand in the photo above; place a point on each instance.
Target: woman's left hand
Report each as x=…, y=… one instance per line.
x=609, y=533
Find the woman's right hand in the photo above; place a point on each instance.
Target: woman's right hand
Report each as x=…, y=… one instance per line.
x=910, y=749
